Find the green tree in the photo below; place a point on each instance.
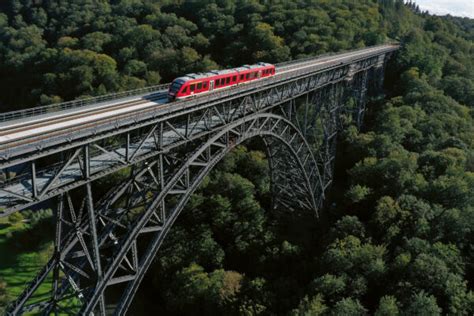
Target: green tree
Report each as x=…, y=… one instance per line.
x=15, y=218
x=358, y=193
x=348, y=307
x=310, y=307
x=423, y=305
x=208, y=292
x=96, y=41
x=387, y=307
x=265, y=45
x=331, y=287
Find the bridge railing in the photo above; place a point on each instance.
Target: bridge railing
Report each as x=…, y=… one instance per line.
x=170, y=108
x=299, y=60
x=14, y=115
x=329, y=54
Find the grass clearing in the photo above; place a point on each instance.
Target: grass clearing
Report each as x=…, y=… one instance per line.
x=19, y=267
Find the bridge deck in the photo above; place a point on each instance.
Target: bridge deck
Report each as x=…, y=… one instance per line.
x=48, y=116
x=32, y=129
x=165, y=150
x=85, y=125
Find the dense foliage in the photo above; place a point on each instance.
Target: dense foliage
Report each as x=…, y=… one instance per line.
x=60, y=50
x=398, y=233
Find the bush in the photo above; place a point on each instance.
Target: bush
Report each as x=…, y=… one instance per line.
x=15, y=218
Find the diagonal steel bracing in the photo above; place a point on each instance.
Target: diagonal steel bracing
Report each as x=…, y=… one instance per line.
x=158, y=157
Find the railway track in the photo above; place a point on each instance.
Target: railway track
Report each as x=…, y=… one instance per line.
x=23, y=132
x=27, y=125
x=33, y=128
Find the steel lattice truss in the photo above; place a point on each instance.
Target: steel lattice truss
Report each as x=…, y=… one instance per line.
x=108, y=244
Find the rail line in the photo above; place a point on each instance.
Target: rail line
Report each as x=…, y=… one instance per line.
x=24, y=126
x=37, y=128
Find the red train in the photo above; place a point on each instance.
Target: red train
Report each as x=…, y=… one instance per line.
x=201, y=83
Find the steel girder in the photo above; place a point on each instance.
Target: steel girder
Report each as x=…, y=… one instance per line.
x=97, y=243
x=165, y=158
x=58, y=141
x=126, y=145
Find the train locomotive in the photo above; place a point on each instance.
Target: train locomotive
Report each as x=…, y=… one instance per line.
x=201, y=83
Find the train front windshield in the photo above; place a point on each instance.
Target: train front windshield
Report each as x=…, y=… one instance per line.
x=175, y=86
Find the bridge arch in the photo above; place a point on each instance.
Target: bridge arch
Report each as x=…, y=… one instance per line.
x=285, y=144
x=165, y=152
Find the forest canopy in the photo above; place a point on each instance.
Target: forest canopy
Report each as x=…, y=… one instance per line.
x=398, y=231
x=51, y=51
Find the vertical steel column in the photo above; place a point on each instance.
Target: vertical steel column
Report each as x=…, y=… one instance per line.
x=57, y=252
x=306, y=105
x=93, y=226
x=162, y=172
x=361, y=97
x=34, y=188
x=127, y=148
x=188, y=122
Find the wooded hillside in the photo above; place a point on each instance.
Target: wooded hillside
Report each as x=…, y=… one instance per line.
x=397, y=236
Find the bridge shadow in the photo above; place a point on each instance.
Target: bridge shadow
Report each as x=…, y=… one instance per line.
x=157, y=97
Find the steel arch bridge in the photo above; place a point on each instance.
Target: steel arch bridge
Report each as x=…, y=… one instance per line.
x=159, y=156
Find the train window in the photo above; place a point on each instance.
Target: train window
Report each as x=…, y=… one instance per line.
x=199, y=86
x=247, y=76
x=242, y=77
x=227, y=80
x=192, y=87
x=205, y=85
x=234, y=78
x=216, y=82
x=185, y=89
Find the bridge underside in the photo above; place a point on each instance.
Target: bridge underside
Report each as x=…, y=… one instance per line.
x=107, y=244
x=134, y=218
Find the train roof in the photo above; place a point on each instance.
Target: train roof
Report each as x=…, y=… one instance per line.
x=201, y=75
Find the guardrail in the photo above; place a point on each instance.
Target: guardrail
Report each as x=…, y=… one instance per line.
x=175, y=107
x=300, y=60
x=14, y=115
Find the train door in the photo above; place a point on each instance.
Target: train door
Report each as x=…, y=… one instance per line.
x=211, y=85
x=259, y=74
